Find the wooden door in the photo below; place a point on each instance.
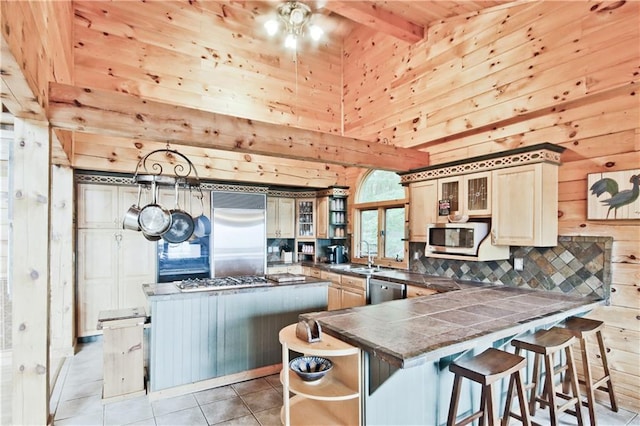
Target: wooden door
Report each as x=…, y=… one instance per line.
x=286, y=216
x=477, y=194
x=423, y=209
x=322, y=209
x=97, y=277
x=352, y=298
x=272, y=218
x=333, y=298
x=98, y=206
x=516, y=194
x=136, y=266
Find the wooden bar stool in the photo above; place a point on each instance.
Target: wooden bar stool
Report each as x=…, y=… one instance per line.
x=545, y=344
x=485, y=369
x=582, y=328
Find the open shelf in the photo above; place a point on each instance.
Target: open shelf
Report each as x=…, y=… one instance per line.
x=334, y=399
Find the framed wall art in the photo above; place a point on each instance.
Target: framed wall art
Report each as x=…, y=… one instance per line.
x=613, y=195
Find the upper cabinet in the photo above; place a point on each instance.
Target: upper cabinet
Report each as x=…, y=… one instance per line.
x=515, y=191
x=332, y=213
x=423, y=208
x=468, y=194
x=306, y=218
x=280, y=217
x=525, y=206
x=98, y=206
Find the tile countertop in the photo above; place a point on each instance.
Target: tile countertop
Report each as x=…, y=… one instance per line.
x=410, y=332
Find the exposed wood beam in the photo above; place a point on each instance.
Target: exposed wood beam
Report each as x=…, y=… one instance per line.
x=116, y=154
x=369, y=15
x=119, y=114
x=15, y=92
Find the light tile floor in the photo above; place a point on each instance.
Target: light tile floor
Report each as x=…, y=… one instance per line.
x=76, y=400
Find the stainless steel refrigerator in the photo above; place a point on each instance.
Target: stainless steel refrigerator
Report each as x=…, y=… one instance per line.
x=238, y=235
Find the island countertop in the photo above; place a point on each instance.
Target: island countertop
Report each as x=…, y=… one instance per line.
x=410, y=332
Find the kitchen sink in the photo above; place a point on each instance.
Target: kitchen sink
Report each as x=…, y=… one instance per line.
x=358, y=269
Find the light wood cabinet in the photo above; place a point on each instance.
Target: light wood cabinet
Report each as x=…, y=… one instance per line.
x=112, y=263
x=423, y=208
x=525, y=205
x=335, y=399
x=280, y=217
x=468, y=194
x=417, y=291
x=306, y=219
x=345, y=291
x=322, y=209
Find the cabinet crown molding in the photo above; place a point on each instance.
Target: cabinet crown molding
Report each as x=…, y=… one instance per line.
x=544, y=152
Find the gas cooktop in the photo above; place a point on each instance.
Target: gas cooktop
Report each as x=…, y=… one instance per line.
x=221, y=283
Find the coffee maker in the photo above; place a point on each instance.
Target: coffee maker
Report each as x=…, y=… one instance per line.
x=335, y=254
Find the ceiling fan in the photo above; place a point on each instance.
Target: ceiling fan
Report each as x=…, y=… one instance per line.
x=294, y=17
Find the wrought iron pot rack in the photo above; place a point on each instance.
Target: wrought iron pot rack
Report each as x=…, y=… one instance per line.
x=154, y=220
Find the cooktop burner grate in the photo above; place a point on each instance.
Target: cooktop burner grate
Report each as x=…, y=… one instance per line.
x=217, y=283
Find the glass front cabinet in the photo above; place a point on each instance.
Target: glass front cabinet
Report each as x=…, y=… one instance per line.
x=468, y=194
x=306, y=218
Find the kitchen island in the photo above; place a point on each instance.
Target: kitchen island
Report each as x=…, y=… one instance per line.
x=408, y=344
x=204, y=339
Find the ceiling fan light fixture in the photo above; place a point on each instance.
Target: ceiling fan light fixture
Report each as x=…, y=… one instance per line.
x=316, y=32
x=291, y=41
x=294, y=16
x=271, y=26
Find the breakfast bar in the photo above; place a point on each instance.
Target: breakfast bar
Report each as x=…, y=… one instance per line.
x=409, y=343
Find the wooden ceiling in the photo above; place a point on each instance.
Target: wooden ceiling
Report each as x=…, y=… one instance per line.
x=213, y=60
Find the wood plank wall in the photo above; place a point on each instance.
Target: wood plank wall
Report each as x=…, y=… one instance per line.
x=559, y=72
x=213, y=56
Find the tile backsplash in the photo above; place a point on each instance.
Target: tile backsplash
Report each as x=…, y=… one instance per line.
x=577, y=265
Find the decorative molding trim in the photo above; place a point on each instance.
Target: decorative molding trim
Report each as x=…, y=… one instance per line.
x=105, y=179
x=291, y=194
x=510, y=159
x=333, y=192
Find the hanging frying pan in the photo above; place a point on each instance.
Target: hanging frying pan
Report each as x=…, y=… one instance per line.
x=154, y=219
x=181, y=224
x=202, y=223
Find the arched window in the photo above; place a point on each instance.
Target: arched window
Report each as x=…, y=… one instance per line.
x=379, y=214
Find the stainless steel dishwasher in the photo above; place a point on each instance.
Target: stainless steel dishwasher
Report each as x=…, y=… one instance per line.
x=384, y=291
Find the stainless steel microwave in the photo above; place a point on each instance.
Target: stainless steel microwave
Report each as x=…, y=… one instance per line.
x=456, y=238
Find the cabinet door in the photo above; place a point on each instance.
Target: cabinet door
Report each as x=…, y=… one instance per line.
x=97, y=277
x=423, y=209
x=272, y=218
x=450, y=189
x=323, y=217
x=136, y=266
x=98, y=207
x=477, y=194
x=333, y=299
x=286, y=215
x=352, y=298
x=525, y=206
x=306, y=219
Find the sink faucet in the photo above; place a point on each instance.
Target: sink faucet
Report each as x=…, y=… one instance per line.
x=369, y=260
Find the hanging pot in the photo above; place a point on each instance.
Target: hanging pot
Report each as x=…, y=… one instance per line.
x=130, y=220
x=202, y=223
x=150, y=237
x=182, y=225
x=154, y=220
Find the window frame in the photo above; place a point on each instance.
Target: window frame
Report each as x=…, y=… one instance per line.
x=381, y=207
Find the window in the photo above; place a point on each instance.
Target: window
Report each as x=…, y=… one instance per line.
x=380, y=218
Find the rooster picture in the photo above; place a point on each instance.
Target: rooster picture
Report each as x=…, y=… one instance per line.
x=617, y=198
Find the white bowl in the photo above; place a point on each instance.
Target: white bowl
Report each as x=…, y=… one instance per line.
x=310, y=368
x=458, y=218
